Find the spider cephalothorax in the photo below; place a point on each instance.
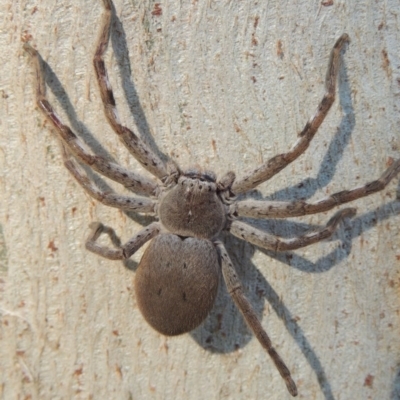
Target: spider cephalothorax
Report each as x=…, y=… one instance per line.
x=194, y=206
x=177, y=278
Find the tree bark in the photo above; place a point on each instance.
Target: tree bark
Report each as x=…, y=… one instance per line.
x=223, y=85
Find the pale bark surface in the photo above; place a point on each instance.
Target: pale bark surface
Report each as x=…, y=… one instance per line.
x=226, y=85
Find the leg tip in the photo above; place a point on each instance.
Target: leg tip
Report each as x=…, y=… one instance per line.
x=341, y=215
x=29, y=49
x=396, y=166
x=349, y=212
x=94, y=226
x=291, y=386
x=107, y=4
x=343, y=39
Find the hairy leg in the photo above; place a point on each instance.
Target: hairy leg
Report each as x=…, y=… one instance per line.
x=235, y=289
x=274, y=243
x=136, y=147
x=133, y=181
x=277, y=163
x=119, y=252
x=277, y=209
x=111, y=199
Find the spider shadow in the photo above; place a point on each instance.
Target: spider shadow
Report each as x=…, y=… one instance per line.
x=225, y=331
x=395, y=394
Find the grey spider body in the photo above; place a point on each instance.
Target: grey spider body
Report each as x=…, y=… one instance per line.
x=176, y=282
x=177, y=278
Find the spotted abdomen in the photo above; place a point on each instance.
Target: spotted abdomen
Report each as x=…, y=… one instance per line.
x=176, y=283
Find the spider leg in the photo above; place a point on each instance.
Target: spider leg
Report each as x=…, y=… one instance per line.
x=274, y=243
x=235, y=290
x=136, y=147
x=277, y=209
x=135, y=182
x=119, y=252
x=277, y=163
x=111, y=199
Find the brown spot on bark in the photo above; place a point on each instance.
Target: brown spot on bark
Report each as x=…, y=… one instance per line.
x=279, y=49
x=386, y=63
x=157, y=10
x=369, y=380
x=52, y=246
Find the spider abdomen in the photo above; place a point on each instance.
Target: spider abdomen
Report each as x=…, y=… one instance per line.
x=176, y=283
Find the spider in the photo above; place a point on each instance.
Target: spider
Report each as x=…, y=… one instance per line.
x=177, y=278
